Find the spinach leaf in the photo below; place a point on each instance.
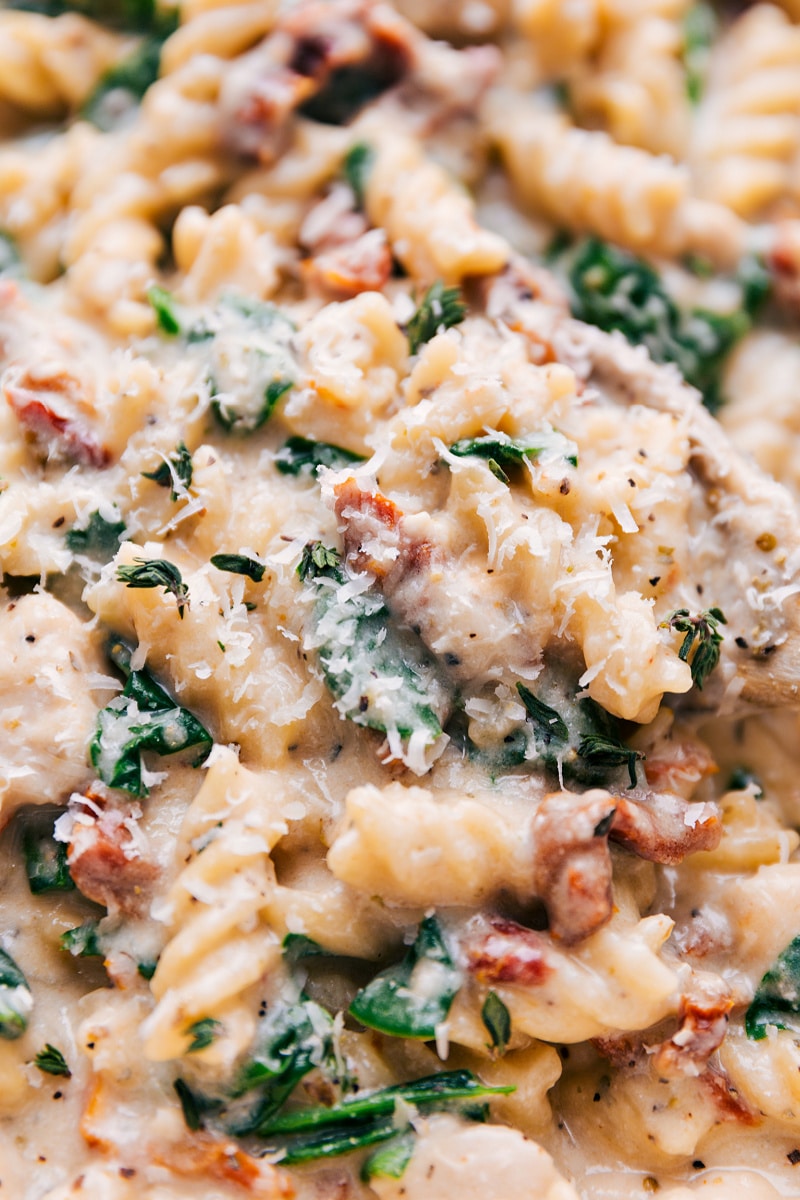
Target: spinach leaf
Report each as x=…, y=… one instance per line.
x=777, y=998
x=502, y=452
x=364, y=1120
x=356, y=168
x=143, y=717
x=615, y=290
x=82, y=941
x=291, y=1040
x=440, y=308
x=379, y=675
x=203, y=1033
x=252, y=365
x=578, y=736
x=45, y=861
x=163, y=305
x=124, y=84
x=98, y=539
x=137, y=16
x=302, y=456
x=16, y=1000
x=391, y=1160
x=413, y=997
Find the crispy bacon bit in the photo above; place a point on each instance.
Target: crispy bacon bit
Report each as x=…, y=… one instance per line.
x=509, y=953
x=703, y=1017
x=104, y=860
x=326, y=59
x=784, y=265
x=351, y=268
x=47, y=406
x=376, y=535
x=730, y=1103
x=572, y=865
x=664, y=828
x=205, y=1157
x=678, y=766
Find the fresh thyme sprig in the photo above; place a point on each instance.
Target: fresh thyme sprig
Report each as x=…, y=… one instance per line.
x=702, y=640
x=156, y=572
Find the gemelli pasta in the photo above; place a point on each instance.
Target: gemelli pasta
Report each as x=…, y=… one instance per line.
x=400, y=573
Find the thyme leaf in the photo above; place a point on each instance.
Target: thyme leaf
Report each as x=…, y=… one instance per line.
x=174, y=472
x=52, y=1061
x=153, y=573
x=702, y=640
x=239, y=564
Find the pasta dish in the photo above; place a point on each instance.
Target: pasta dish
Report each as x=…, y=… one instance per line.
x=399, y=459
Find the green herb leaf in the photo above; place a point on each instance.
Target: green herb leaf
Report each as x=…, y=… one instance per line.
x=702, y=640
x=440, y=308
x=614, y=290
x=136, y=16
x=391, y=1160
x=16, y=1000
x=196, y=1107
x=156, y=572
x=45, y=862
x=742, y=778
x=292, y=1040
x=163, y=305
x=356, y=168
x=124, y=85
x=503, y=453
x=777, y=998
x=318, y=559
x=239, y=564
x=203, y=1033
x=52, y=1062
x=174, y=472
x=363, y=1120
x=412, y=998
x=296, y=946
x=147, y=969
x=143, y=717
x=82, y=941
x=549, y=725
x=497, y=1020
x=302, y=456
x=98, y=539
x=605, y=752
x=380, y=676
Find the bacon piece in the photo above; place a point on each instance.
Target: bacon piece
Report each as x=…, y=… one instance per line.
x=664, y=828
x=507, y=952
x=326, y=59
x=729, y=1101
x=703, y=1017
x=104, y=860
x=678, y=765
x=572, y=864
x=376, y=536
x=784, y=265
x=351, y=268
x=201, y=1156
x=47, y=405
